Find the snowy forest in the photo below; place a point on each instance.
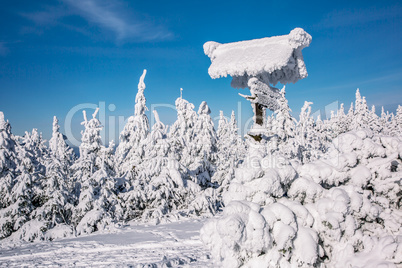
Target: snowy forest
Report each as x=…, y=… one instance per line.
x=295, y=191
x=334, y=189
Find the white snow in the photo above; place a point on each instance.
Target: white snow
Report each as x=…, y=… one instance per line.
x=279, y=57
x=136, y=245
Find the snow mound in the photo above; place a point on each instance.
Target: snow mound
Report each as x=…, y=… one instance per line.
x=339, y=211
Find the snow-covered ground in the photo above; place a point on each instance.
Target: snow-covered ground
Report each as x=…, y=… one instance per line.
x=135, y=245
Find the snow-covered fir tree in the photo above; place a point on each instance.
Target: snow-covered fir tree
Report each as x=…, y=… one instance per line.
x=373, y=121
x=8, y=165
x=162, y=178
x=130, y=152
x=223, y=130
x=350, y=117
x=384, y=121
x=229, y=151
x=27, y=191
x=182, y=131
x=283, y=125
x=56, y=187
x=8, y=160
x=361, y=113
x=306, y=138
x=396, y=122
x=323, y=135
x=203, y=147
x=283, y=129
x=239, y=150
x=222, y=135
x=342, y=120
x=94, y=178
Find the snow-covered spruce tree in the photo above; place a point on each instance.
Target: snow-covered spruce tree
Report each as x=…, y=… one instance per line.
x=373, y=121
x=130, y=151
x=239, y=150
x=332, y=126
x=350, y=117
x=396, y=122
x=384, y=122
x=322, y=132
x=202, y=149
x=222, y=162
x=8, y=164
x=130, y=154
x=36, y=146
x=341, y=120
x=8, y=160
x=309, y=145
x=182, y=131
x=27, y=191
x=56, y=211
x=361, y=113
x=229, y=151
x=161, y=178
x=283, y=127
x=319, y=124
x=61, y=155
x=58, y=148
x=223, y=128
x=94, y=178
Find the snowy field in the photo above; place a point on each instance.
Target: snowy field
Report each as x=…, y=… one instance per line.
x=136, y=245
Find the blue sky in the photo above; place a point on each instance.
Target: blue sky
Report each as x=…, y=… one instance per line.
x=55, y=55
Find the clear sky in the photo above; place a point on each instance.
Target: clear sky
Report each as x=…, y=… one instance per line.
x=55, y=55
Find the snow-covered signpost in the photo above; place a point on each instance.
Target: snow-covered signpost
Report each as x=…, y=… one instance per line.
x=259, y=65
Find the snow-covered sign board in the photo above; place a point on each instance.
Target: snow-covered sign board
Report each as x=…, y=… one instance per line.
x=260, y=63
x=275, y=59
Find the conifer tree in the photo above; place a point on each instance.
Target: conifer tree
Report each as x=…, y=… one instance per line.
x=350, y=117
x=203, y=147
x=57, y=185
x=397, y=122
x=8, y=160
x=283, y=125
x=230, y=150
x=223, y=160
x=373, y=122
x=283, y=129
x=130, y=152
x=306, y=135
x=223, y=128
x=384, y=121
x=94, y=177
x=342, y=120
x=239, y=150
x=182, y=132
x=8, y=174
x=163, y=176
x=27, y=192
x=361, y=113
